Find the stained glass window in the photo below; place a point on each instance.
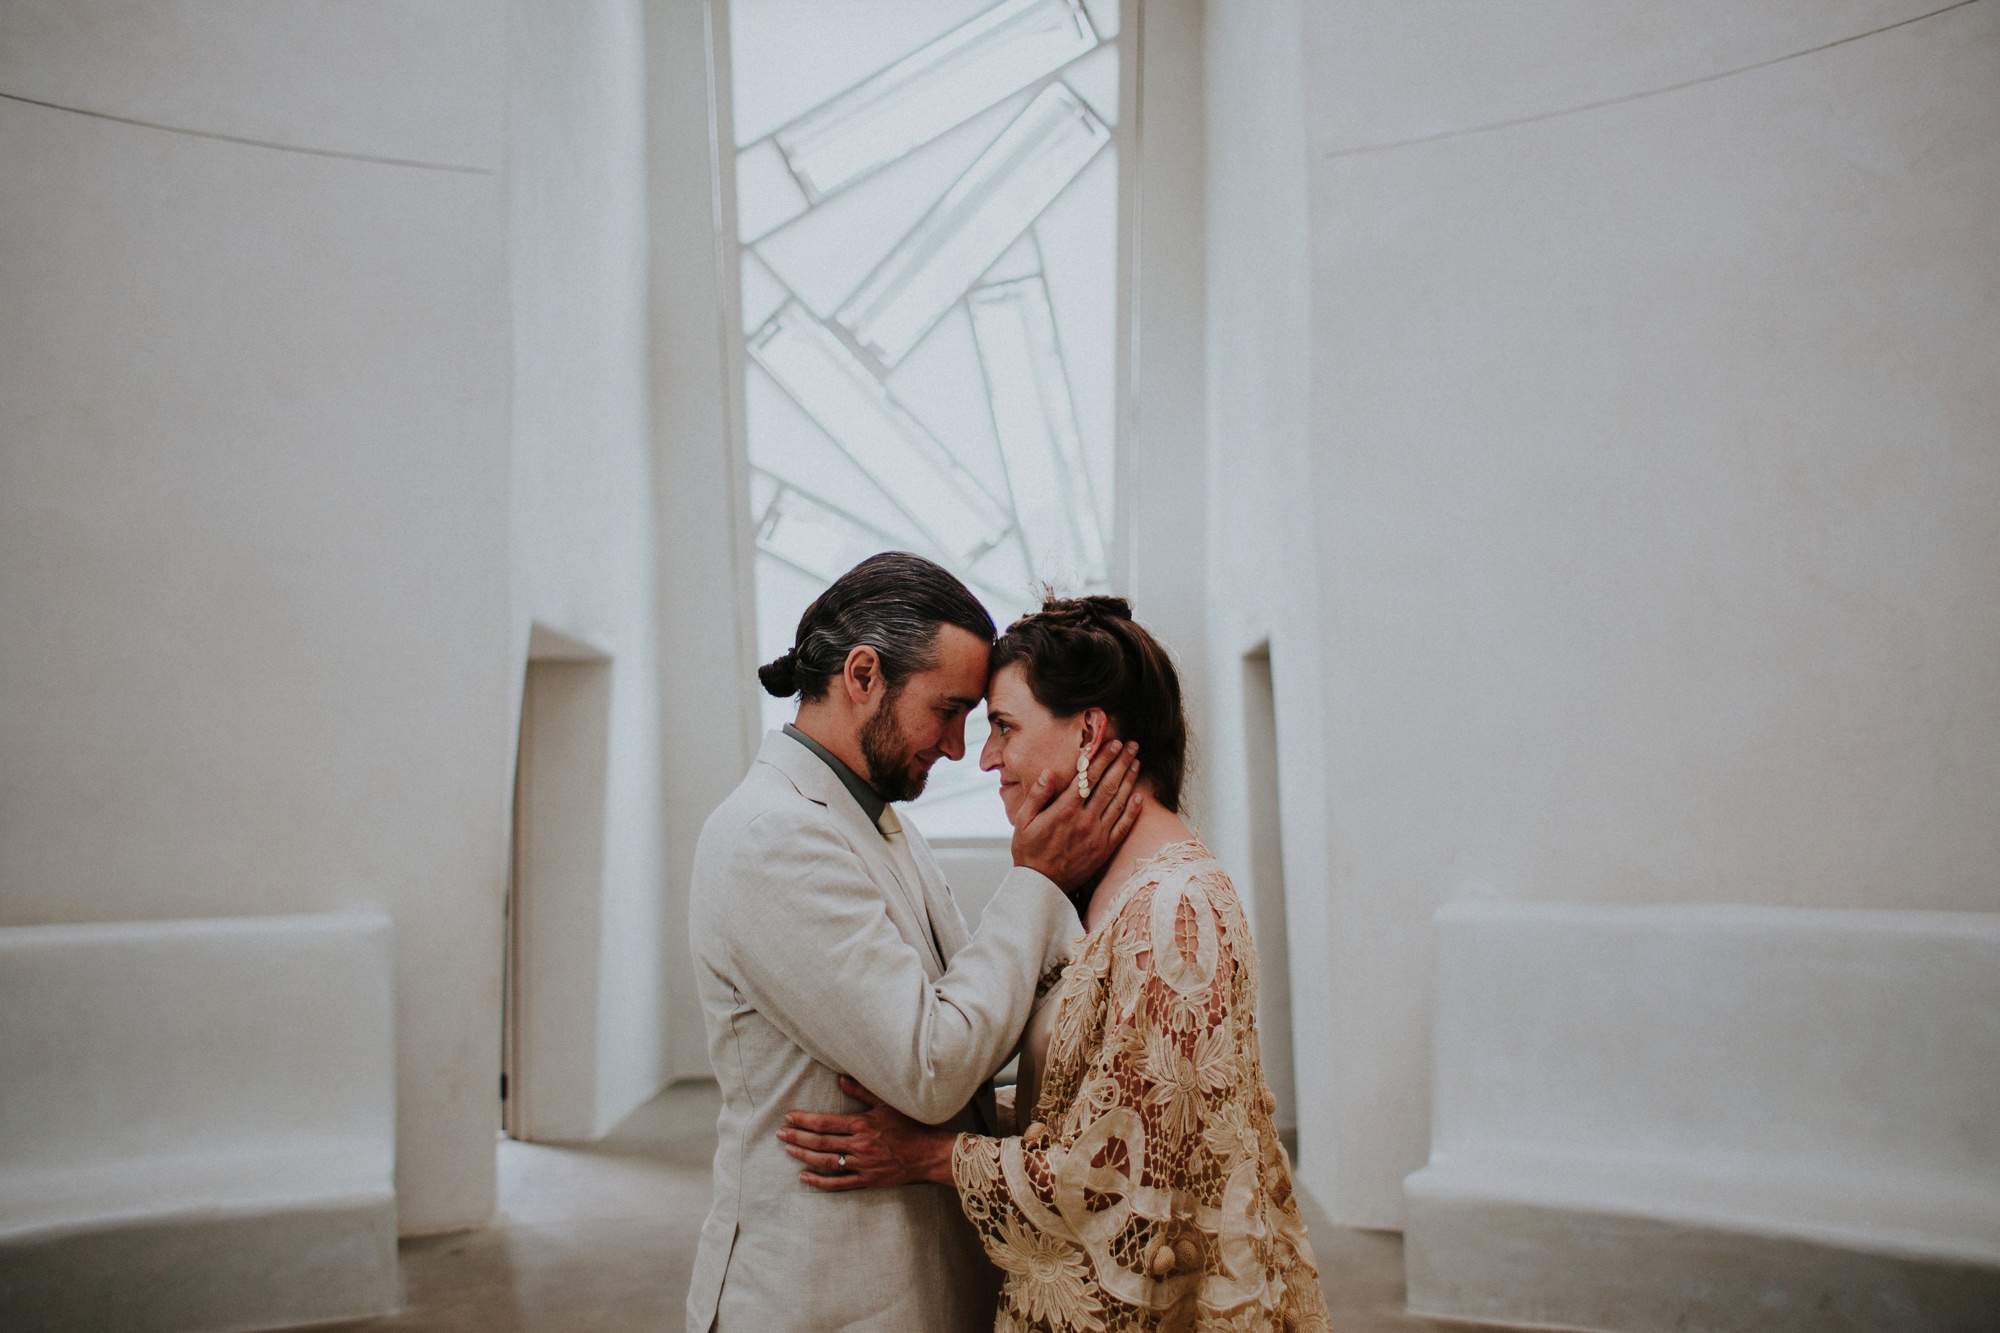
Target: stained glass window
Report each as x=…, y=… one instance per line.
x=927, y=196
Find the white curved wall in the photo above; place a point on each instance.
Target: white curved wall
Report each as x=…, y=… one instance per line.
x=254, y=621
x=1650, y=553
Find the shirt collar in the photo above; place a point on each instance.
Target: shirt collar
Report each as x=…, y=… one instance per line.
x=865, y=796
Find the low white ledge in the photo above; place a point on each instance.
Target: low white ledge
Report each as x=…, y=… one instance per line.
x=198, y=1124
x=1715, y=1117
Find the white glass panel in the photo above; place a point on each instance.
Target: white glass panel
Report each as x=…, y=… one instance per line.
x=1095, y=79
x=1022, y=260
x=763, y=490
x=1079, y=243
x=1103, y=17
x=762, y=292
x=788, y=56
x=825, y=255
x=978, y=218
x=1038, y=438
x=918, y=98
x=766, y=194
x=810, y=536
x=941, y=383
x=788, y=444
x=1008, y=588
x=905, y=460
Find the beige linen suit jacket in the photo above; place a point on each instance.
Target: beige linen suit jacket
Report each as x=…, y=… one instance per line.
x=815, y=956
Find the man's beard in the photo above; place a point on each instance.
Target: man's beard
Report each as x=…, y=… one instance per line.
x=887, y=752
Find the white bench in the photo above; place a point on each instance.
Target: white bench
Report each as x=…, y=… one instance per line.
x=197, y=1123
x=1711, y=1117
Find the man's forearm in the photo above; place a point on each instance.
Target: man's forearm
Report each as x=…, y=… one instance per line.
x=928, y=1054
x=1026, y=927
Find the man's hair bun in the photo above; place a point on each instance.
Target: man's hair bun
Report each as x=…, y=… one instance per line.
x=781, y=678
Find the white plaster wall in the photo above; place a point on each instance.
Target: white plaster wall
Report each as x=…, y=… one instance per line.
x=583, y=535
x=253, y=423
x=1258, y=271
x=1653, y=483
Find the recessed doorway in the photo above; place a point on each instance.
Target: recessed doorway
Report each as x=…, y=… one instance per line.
x=1267, y=889
x=549, y=993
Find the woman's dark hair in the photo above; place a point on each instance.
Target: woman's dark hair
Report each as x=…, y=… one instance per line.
x=893, y=603
x=1088, y=652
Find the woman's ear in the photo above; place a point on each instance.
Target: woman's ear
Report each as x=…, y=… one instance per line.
x=1096, y=729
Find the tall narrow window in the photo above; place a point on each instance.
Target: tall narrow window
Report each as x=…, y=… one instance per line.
x=928, y=205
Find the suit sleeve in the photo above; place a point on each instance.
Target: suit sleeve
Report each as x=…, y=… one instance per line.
x=815, y=951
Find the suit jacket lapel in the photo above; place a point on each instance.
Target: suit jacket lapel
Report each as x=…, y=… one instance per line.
x=946, y=920
x=911, y=879
x=818, y=783
x=948, y=925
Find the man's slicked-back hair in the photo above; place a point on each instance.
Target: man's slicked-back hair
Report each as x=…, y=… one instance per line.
x=894, y=603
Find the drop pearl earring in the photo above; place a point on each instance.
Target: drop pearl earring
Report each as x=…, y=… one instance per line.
x=1083, y=774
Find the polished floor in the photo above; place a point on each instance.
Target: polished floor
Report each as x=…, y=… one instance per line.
x=602, y=1236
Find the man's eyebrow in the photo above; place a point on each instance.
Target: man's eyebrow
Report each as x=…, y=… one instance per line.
x=962, y=701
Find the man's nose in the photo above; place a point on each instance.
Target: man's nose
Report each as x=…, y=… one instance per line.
x=954, y=741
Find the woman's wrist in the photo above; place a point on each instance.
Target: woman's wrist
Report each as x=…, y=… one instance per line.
x=940, y=1146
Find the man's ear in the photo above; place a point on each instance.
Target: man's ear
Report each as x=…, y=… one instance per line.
x=861, y=674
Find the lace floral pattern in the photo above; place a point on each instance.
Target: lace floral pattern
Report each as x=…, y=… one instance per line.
x=1150, y=1191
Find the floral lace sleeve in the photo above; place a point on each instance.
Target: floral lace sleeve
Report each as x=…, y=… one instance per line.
x=1150, y=1190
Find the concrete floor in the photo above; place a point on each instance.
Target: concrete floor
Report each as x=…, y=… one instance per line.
x=602, y=1236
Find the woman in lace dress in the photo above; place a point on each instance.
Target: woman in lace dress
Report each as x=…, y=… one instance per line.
x=1147, y=1189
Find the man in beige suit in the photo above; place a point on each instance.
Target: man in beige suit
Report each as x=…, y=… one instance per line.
x=826, y=942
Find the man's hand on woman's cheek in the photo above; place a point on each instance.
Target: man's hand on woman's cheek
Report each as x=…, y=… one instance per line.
x=1067, y=838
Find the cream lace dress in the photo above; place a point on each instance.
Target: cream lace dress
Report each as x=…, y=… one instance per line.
x=1150, y=1190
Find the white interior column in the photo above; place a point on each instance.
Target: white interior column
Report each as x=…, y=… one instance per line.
x=1161, y=533
x=707, y=625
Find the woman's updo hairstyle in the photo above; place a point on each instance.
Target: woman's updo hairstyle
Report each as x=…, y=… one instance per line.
x=1088, y=652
